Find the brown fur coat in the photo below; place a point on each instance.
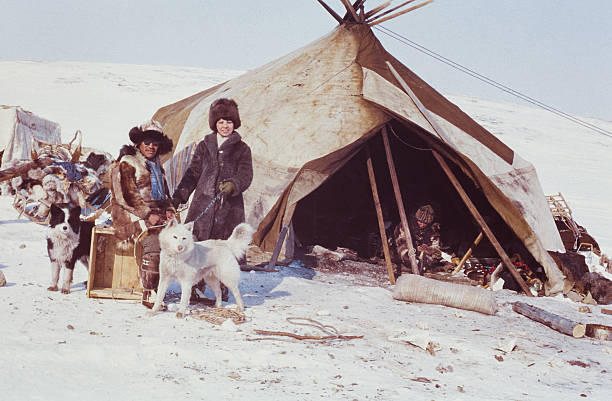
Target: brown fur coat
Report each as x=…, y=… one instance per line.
x=131, y=193
x=210, y=167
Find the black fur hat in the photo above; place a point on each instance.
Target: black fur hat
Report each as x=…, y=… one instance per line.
x=226, y=109
x=153, y=130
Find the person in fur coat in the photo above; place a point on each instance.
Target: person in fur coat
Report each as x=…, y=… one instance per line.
x=140, y=197
x=221, y=164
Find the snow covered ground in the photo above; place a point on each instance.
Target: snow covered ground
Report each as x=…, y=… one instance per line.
x=69, y=347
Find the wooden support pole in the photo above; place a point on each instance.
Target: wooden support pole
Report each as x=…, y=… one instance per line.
x=377, y=9
x=277, y=247
x=357, y=5
x=379, y=215
x=401, y=12
x=485, y=227
x=331, y=12
x=400, y=202
x=390, y=10
x=453, y=179
x=468, y=253
x=555, y=322
x=350, y=9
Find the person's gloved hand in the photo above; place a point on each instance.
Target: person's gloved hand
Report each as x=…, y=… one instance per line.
x=227, y=188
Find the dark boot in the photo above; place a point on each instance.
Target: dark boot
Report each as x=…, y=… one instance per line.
x=149, y=277
x=224, y=293
x=196, y=298
x=149, y=271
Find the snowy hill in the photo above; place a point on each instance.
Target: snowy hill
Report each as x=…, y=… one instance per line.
x=69, y=347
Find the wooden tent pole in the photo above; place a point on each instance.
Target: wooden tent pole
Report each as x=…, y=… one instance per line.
x=397, y=14
x=350, y=9
x=468, y=253
x=389, y=11
x=485, y=227
x=373, y=11
x=379, y=215
x=453, y=179
x=331, y=11
x=400, y=202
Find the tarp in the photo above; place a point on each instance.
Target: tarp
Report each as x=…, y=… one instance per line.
x=18, y=127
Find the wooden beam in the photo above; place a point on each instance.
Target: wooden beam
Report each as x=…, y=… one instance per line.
x=331, y=11
x=375, y=17
x=401, y=12
x=453, y=179
x=555, y=322
x=377, y=9
x=350, y=9
x=379, y=215
x=277, y=247
x=400, y=202
x=472, y=208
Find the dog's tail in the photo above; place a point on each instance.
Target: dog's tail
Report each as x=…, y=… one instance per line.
x=239, y=241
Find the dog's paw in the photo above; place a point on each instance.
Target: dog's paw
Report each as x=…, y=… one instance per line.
x=65, y=290
x=52, y=288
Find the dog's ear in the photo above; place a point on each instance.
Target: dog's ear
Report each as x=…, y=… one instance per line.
x=172, y=222
x=189, y=226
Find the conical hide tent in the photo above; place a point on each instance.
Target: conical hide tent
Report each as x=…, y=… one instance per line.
x=308, y=113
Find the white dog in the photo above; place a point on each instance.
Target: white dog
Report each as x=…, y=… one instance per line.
x=188, y=262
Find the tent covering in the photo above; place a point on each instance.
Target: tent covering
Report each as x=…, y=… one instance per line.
x=308, y=113
x=18, y=127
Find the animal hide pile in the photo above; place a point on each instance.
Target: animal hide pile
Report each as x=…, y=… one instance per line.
x=58, y=174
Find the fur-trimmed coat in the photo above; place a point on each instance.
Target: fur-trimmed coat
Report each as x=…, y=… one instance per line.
x=210, y=167
x=131, y=193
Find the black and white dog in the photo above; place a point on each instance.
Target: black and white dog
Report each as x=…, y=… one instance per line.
x=68, y=240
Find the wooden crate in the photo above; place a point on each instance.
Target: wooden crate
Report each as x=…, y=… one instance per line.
x=113, y=272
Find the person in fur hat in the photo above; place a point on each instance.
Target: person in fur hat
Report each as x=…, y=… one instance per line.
x=141, y=199
x=221, y=164
x=426, y=238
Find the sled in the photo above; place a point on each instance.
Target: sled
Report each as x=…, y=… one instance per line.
x=113, y=269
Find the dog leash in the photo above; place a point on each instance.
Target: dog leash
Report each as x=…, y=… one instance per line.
x=212, y=202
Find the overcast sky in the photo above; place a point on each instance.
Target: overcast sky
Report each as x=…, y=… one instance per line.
x=556, y=51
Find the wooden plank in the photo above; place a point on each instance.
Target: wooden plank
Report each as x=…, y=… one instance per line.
x=377, y=9
x=331, y=11
x=401, y=13
x=350, y=9
x=555, y=322
x=400, y=202
x=379, y=215
x=375, y=17
x=117, y=293
x=91, y=274
x=453, y=179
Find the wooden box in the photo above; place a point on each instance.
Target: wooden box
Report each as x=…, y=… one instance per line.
x=113, y=270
